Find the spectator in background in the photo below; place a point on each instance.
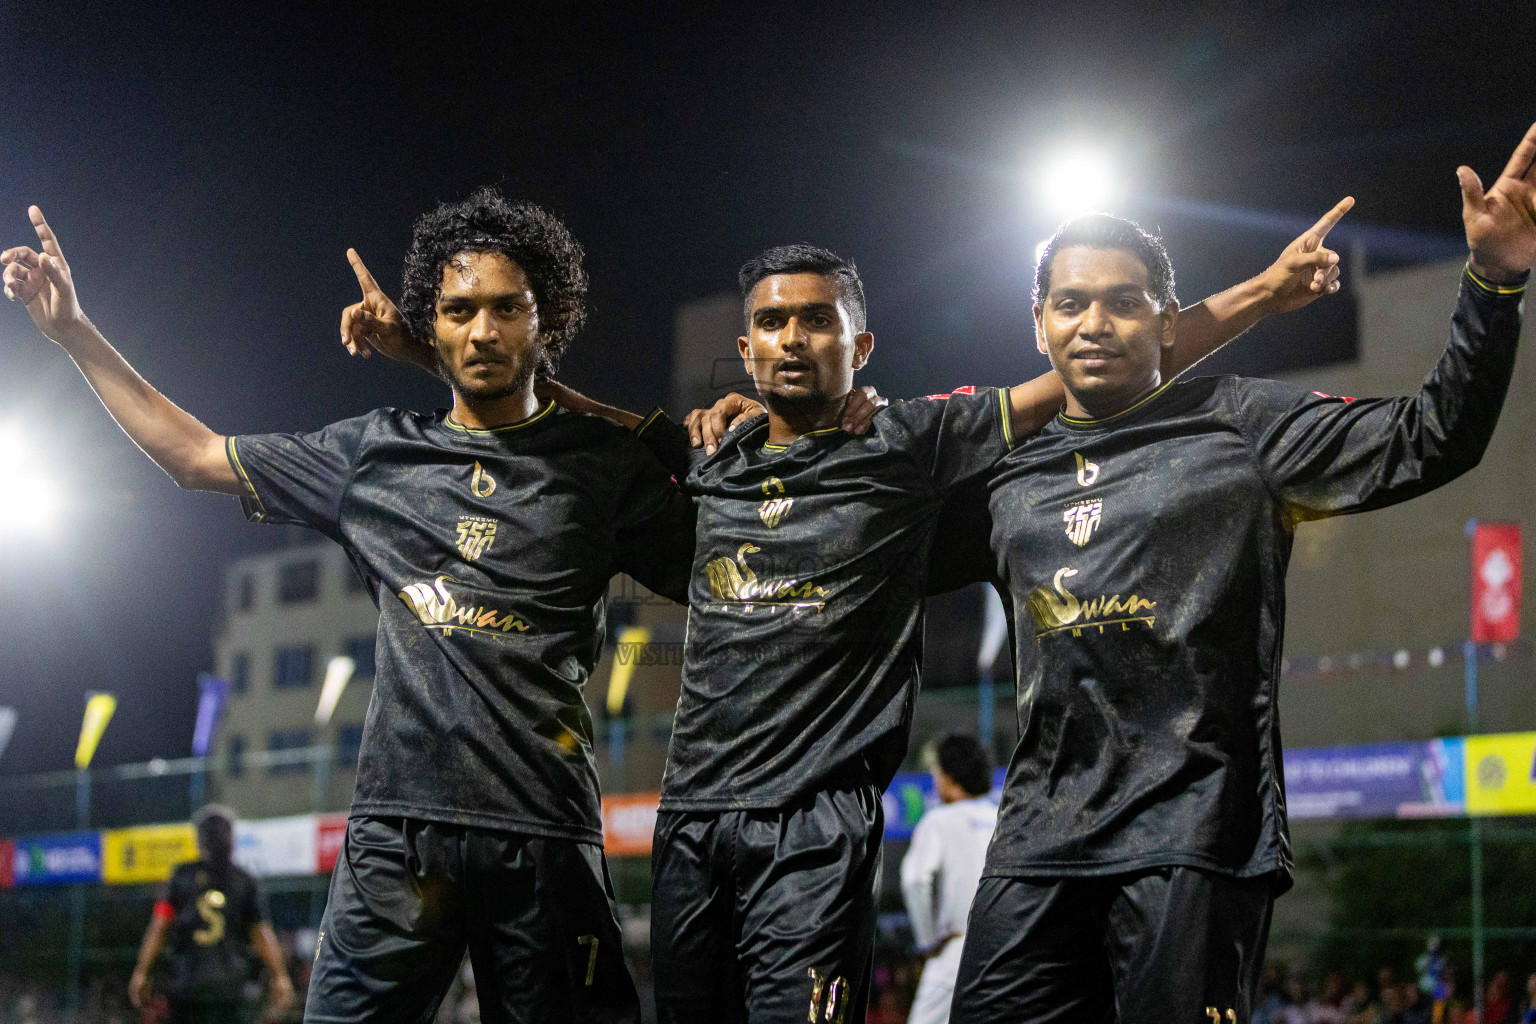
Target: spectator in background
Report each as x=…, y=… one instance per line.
x=1499, y=1002
x=1418, y=1005
x=1528, y=1008
x=1449, y=1009
x=1271, y=1000
x=211, y=915
x=942, y=868
x=1332, y=1004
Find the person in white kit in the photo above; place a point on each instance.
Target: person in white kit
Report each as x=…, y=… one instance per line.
x=942, y=868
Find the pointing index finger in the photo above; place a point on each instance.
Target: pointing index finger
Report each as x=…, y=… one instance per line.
x=45, y=233
x=363, y=277
x=1319, y=231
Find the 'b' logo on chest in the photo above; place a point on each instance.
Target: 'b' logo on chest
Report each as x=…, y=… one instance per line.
x=482, y=484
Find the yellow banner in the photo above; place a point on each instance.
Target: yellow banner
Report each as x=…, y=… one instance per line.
x=148, y=854
x=98, y=712
x=1501, y=773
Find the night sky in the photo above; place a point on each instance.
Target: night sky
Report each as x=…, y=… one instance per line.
x=206, y=170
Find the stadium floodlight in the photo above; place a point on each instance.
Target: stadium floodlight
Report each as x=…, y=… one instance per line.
x=28, y=501
x=1077, y=181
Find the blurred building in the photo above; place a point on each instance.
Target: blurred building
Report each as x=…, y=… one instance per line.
x=286, y=614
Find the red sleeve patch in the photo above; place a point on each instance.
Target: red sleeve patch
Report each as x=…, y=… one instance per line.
x=969, y=389
x=1337, y=398
x=164, y=911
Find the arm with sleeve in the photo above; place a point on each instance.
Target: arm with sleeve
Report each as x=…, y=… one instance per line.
x=656, y=527
x=298, y=479
x=1325, y=456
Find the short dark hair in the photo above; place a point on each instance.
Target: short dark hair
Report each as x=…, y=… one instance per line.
x=524, y=233
x=964, y=759
x=1103, y=231
x=215, y=826
x=804, y=259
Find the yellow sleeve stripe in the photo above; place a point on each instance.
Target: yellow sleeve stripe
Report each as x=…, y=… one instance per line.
x=1005, y=401
x=648, y=421
x=250, y=489
x=1492, y=287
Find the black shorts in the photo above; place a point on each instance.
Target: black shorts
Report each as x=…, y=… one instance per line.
x=1170, y=946
x=184, y=1012
x=767, y=916
x=408, y=897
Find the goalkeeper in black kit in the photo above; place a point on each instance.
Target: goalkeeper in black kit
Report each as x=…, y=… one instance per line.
x=1143, y=537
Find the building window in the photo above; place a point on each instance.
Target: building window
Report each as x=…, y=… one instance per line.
x=288, y=739
x=245, y=592
x=360, y=649
x=240, y=673
x=235, y=766
x=293, y=666
x=298, y=581
x=349, y=740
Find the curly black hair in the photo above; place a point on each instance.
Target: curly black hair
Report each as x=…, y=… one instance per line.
x=526, y=234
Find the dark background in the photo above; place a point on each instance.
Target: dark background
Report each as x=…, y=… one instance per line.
x=206, y=170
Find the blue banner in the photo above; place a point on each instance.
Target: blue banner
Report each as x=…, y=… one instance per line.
x=212, y=692
x=57, y=859
x=1378, y=780
x=911, y=793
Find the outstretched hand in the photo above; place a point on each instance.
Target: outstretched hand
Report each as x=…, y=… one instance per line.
x=375, y=324
x=1306, y=269
x=1501, y=222
x=707, y=426
x=42, y=282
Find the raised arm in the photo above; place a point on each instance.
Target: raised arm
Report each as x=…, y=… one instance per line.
x=1304, y=271
x=178, y=443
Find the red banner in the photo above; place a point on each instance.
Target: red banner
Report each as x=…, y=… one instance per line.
x=1496, y=567
x=7, y=863
x=330, y=830
x=629, y=821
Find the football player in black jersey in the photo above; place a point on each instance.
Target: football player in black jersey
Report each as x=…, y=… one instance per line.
x=1143, y=536
x=487, y=535
x=804, y=635
x=211, y=916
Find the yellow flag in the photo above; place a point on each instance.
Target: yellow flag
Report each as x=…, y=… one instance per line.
x=626, y=654
x=98, y=712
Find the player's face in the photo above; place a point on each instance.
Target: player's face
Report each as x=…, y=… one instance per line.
x=1101, y=327
x=801, y=347
x=487, y=326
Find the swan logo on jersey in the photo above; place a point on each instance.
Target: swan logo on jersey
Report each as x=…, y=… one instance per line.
x=476, y=534
x=733, y=580
x=1082, y=519
x=482, y=484
x=437, y=608
x=773, y=511
x=1056, y=608
x=1087, y=472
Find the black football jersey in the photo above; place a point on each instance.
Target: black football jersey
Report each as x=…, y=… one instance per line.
x=209, y=942
x=489, y=554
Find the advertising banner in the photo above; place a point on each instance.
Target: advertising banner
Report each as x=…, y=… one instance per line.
x=629, y=822
x=99, y=708
x=911, y=793
x=1501, y=773
x=1496, y=572
x=132, y=856
x=1379, y=780
x=330, y=830
x=273, y=847
x=57, y=859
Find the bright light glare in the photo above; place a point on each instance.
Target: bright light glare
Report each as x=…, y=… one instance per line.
x=1077, y=182
x=28, y=501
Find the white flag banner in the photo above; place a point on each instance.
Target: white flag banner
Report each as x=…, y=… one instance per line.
x=338, y=672
x=7, y=727
x=994, y=630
